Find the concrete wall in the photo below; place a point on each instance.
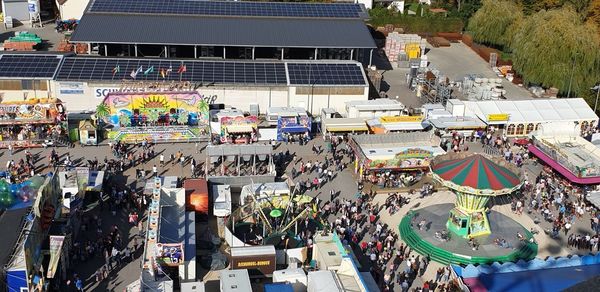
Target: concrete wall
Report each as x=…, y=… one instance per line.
x=72, y=9
x=15, y=95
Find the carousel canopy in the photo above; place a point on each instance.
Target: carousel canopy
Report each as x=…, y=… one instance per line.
x=474, y=173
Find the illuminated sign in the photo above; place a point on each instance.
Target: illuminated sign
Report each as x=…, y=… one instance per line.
x=253, y=264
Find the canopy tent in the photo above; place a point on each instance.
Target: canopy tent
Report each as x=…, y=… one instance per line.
x=238, y=150
x=594, y=198
x=476, y=174
x=531, y=111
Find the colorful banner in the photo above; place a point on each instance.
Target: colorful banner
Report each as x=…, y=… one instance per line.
x=407, y=159
x=44, y=110
x=56, y=243
x=170, y=254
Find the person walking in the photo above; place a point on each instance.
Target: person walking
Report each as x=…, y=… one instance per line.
x=161, y=158
x=154, y=171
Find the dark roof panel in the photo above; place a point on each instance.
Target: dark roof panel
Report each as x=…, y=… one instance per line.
x=249, y=73
x=218, y=72
x=28, y=66
x=230, y=8
x=223, y=31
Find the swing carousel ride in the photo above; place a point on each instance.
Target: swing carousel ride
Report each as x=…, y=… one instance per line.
x=269, y=214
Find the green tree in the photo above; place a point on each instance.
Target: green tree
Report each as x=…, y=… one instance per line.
x=102, y=111
x=593, y=13
x=491, y=23
x=557, y=49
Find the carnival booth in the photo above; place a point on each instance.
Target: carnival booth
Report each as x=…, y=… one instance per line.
x=294, y=127
x=32, y=122
x=340, y=126
x=88, y=133
x=239, y=130
x=178, y=116
x=394, y=160
x=391, y=124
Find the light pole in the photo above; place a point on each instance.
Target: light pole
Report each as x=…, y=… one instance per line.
x=597, y=88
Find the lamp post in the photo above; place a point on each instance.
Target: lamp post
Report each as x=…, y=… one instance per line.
x=597, y=89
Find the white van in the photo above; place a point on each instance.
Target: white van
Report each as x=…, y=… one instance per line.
x=221, y=200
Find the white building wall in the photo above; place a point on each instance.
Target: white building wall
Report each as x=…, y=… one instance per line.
x=72, y=9
x=83, y=96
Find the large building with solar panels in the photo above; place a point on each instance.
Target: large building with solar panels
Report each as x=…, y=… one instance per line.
x=226, y=30
x=82, y=82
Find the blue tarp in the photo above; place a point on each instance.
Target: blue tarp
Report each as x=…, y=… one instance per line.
x=539, y=280
x=279, y=287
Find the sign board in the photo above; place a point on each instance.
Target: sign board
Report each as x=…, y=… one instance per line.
x=400, y=119
x=71, y=88
x=102, y=92
x=56, y=243
x=497, y=117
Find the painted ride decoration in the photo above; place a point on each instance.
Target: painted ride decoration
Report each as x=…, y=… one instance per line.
x=30, y=123
x=19, y=195
x=474, y=179
x=155, y=116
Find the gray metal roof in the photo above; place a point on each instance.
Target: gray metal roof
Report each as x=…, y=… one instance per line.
x=237, y=150
x=223, y=31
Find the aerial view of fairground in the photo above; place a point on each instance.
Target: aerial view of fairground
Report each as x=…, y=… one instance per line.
x=299, y=146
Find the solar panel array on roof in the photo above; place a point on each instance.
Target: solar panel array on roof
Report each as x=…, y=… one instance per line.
x=229, y=8
x=90, y=69
x=28, y=66
x=325, y=74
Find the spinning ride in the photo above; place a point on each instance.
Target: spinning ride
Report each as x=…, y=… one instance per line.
x=474, y=179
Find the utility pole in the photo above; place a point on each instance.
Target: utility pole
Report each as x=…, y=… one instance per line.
x=571, y=79
x=597, y=88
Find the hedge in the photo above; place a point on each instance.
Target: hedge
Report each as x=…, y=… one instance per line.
x=413, y=24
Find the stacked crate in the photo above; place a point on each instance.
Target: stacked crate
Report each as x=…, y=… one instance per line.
x=402, y=47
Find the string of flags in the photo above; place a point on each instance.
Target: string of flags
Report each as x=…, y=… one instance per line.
x=163, y=72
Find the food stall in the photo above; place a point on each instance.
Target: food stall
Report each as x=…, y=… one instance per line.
x=88, y=133
x=293, y=127
x=405, y=155
x=239, y=130
x=391, y=124
x=30, y=123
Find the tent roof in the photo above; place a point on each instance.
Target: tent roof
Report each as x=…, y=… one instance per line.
x=533, y=111
x=478, y=172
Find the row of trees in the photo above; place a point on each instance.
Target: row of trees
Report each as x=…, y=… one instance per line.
x=553, y=43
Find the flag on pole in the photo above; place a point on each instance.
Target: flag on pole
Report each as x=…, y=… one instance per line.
x=182, y=69
x=149, y=70
x=163, y=73
x=116, y=70
x=169, y=70
x=134, y=73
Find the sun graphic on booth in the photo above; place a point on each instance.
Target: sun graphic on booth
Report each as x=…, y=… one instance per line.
x=154, y=102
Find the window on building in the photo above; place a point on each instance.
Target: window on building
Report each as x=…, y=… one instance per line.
x=511, y=130
x=520, y=129
x=529, y=128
